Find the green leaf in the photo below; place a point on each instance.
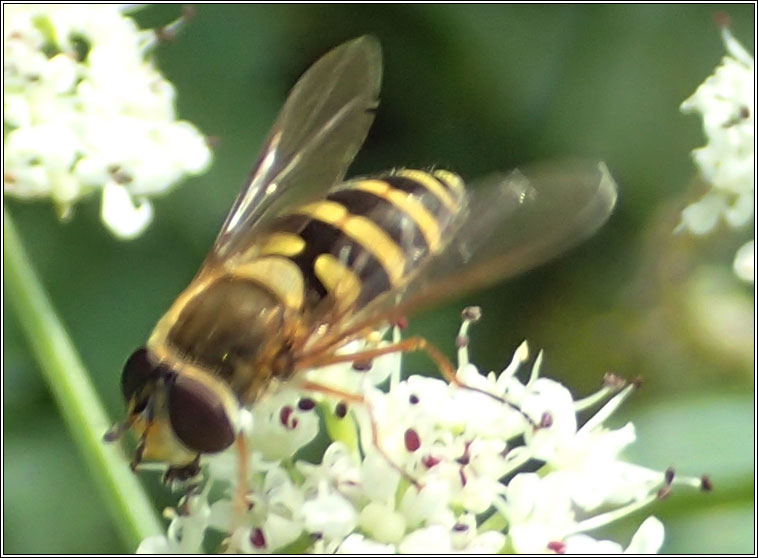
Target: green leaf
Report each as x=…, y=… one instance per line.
x=712, y=435
x=704, y=434
x=723, y=529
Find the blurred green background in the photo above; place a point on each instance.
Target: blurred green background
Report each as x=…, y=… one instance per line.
x=475, y=89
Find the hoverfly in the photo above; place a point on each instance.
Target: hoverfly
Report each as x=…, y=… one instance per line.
x=306, y=263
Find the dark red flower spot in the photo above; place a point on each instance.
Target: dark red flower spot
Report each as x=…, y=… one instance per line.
x=341, y=409
x=362, y=365
x=412, y=440
x=557, y=546
x=706, y=485
x=430, y=461
x=257, y=539
x=472, y=313
x=669, y=475
x=306, y=404
x=285, y=414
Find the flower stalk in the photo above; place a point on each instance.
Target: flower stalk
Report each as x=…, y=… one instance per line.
x=62, y=368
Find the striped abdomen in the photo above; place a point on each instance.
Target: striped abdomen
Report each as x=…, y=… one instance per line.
x=367, y=236
x=364, y=238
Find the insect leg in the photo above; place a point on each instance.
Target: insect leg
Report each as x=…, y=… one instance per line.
x=405, y=346
x=360, y=400
x=138, y=452
x=411, y=344
x=182, y=473
x=242, y=505
x=117, y=431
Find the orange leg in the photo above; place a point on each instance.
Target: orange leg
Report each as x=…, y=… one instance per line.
x=405, y=346
x=241, y=502
x=360, y=400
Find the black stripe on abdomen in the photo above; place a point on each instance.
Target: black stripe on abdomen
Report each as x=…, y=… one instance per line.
x=432, y=204
x=400, y=227
x=323, y=238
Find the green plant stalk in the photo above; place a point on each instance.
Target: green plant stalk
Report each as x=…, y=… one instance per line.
x=131, y=509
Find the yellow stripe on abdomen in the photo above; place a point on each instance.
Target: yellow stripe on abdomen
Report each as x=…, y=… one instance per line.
x=338, y=280
x=364, y=231
x=409, y=205
x=281, y=244
x=432, y=184
x=369, y=235
x=452, y=181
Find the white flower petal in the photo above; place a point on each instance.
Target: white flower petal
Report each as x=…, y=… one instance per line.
x=428, y=540
x=279, y=531
x=648, y=539
x=84, y=106
x=358, y=544
x=330, y=515
x=383, y=523
x=426, y=475
x=744, y=262
x=702, y=216
x=490, y=542
x=157, y=544
x=121, y=215
x=741, y=211
x=529, y=538
x=429, y=504
x=584, y=544
x=726, y=103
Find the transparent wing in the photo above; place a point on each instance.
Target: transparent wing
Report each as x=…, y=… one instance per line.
x=513, y=222
x=520, y=220
x=315, y=137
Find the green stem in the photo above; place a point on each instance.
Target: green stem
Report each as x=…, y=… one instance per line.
x=64, y=372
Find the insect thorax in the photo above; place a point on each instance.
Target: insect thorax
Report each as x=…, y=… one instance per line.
x=234, y=328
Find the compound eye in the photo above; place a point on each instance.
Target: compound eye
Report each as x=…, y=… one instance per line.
x=198, y=415
x=138, y=371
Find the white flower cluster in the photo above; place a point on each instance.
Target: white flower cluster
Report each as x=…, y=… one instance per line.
x=726, y=103
x=85, y=109
x=493, y=465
